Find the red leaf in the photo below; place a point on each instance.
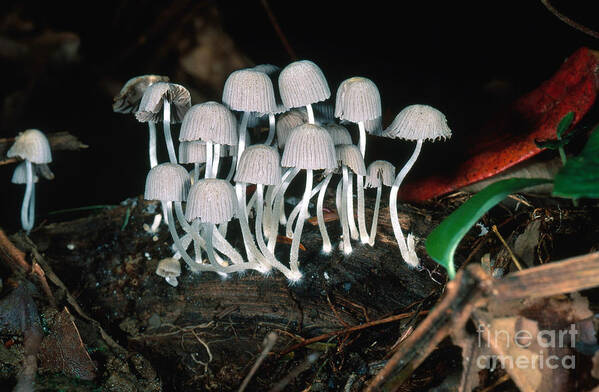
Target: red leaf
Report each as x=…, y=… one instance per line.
x=509, y=138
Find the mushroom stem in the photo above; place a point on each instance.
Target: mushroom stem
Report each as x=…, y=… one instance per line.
x=209, y=160
x=166, y=123
x=195, y=234
x=250, y=205
x=269, y=212
x=408, y=255
x=326, y=241
x=362, y=142
x=361, y=218
x=196, y=171
x=242, y=129
x=181, y=217
x=271, y=129
x=375, y=215
x=216, y=158
x=296, y=210
x=209, y=230
x=225, y=247
x=233, y=163
x=26, y=223
x=342, y=212
x=168, y=206
x=32, y=208
x=297, y=234
x=350, y=206
x=310, y=114
x=278, y=210
x=248, y=241
x=152, y=143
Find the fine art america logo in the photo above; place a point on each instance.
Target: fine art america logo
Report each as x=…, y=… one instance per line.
x=526, y=349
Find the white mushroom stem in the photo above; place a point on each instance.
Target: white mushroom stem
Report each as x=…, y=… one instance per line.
x=296, y=210
x=166, y=123
x=271, y=129
x=216, y=158
x=250, y=205
x=209, y=230
x=342, y=212
x=408, y=255
x=242, y=129
x=268, y=209
x=197, y=243
x=326, y=241
x=278, y=210
x=375, y=214
x=209, y=159
x=226, y=248
x=251, y=250
x=233, y=162
x=353, y=230
x=152, y=144
x=31, y=208
x=361, y=215
x=197, y=168
x=297, y=234
x=310, y=114
x=168, y=206
x=26, y=223
x=362, y=142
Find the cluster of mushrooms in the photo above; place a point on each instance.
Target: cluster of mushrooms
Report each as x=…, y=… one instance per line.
x=305, y=133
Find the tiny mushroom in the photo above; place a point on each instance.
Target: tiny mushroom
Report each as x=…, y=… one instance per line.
x=379, y=173
x=170, y=270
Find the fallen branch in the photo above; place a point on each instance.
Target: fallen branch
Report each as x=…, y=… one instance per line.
x=59, y=141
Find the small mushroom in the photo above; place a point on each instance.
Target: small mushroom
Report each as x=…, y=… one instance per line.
x=379, y=173
x=170, y=270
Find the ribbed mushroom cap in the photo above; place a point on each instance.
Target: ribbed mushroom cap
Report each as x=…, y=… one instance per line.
x=248, y=90
x=211, y=200
x=31, y=145
x=259, y=164
x=339, y=134
x=358, y=99
x=192, y=152
x=302, y=83
x=287, y=122
x=419, y=122
x=209, y=121
x=380, y=171
x=169, y=268
x=273, y=73
x=309, y=147
x=128, y=99
x=19, y=176
x=167, y=182
x=152, y=101
x=350, y=156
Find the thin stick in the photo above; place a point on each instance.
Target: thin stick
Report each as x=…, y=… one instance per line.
x=512, y=255
x=269, y=343
x=569, y=21
x=275, y=25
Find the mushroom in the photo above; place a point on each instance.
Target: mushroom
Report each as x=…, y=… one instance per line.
x=273, y=73
x=33, y=147
x=193, y=152
x=417, y=123
x=19, y=177
x=379, y=173
x=248, y=90
x=170, y=270
x=213, y=123
x=160, y=96
x=302, y=83
x=309, y=148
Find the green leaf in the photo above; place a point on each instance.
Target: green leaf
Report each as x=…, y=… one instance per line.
x=443, y=241
x=564, y=124
x=580, y=176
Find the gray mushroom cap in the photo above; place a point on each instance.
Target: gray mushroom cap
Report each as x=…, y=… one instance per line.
x=152, y=101
x=273, y=73
x=31, y=145
x=302, y=83
x=419, y=122
x=128, y=99
x=248, y=90
x=192, y=152
x=259, y=164
x=350, y=156
x=287, y=122
x=211, y=200
x=309, y=147
x=169, y=268
x=339, y=134
x=358, y=99
x=19, y=176
x=167, y=182
x=209, y=121
x=380, y=171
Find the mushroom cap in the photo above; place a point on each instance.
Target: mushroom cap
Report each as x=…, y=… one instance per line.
x=128, y=99
x=169, y=267
x=380, y=171
x=211, y=200
x=167, y=182
x=339, y=134
x=31, y=145
x=192, y=152
x=419, y=122
x=350, y=156
x=358, y=99
x=209, y=121
x=309, y=146
x=151, y=102
x=302, y=83
x=248, y=90
x=259, y=164
x=287, y=122
x=273, y=73
x=19, y=176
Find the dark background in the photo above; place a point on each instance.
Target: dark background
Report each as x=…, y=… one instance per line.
x=468, y=59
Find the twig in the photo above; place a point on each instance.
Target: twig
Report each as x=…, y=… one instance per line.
x=345, y=324
x=569, y=21
x=275, y=25
x=512, y=255
x=351, y=329
x=269, y=343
